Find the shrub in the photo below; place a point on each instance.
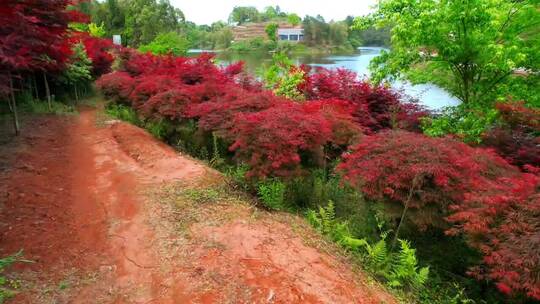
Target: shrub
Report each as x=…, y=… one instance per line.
x=148, y=86
x=271, y=141
x=116, y=86
x=248, y=82
x=172, y=104
x=425, y=174
x=234, y=69
x=167, y=43
x=136, y=63
x=324, y=84
x=469, y=125
x=201, y=69
x=518, y=116
x=99, y=51
x=339, y=114
x=493, y=203
x=516, y=136
x=511, y=250
x=218, y=114
x=376, y=107
x=517, y=147
x=283, y=77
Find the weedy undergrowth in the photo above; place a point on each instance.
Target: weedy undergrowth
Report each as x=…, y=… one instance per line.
x=238, y=175
x=400, y=268
x=8, y=286
x=123, y=113
x=216, y=161
x=272, y=193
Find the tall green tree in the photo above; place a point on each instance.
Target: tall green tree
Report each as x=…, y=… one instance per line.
x=337, y=33
x=294, y=19
x=472, y=46
x=167, y=43
x=145, y=19
x=78, y=69
x=243, y=14
x=271, y=31
x=316, y=30
x=269, y=13
x=111, y=14
x=138, y=21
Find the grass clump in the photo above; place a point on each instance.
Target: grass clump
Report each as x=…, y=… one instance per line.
x=123, y=113
x=8, y=286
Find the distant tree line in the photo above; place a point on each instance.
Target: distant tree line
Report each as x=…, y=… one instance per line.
x=244, y=14
x=158, y=27
x=138, y=21
x=317, y=32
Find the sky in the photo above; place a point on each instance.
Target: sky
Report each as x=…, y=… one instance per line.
x=208, y=11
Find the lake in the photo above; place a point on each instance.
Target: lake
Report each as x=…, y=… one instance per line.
x=429, y=95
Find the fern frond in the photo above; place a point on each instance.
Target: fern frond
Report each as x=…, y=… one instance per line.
x=379, y=254
x=353, y=243
x=404, y=268
x=422, y=277
x=314, y=219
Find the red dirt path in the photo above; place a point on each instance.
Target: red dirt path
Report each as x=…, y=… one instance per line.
x=71, y=196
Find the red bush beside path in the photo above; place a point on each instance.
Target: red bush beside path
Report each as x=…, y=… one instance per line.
x=467, y=190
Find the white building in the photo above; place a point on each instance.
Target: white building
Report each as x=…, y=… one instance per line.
x=117, y=39
x=291, y=34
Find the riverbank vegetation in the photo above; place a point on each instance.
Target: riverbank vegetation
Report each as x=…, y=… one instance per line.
x=443, y=208
x=480, y=51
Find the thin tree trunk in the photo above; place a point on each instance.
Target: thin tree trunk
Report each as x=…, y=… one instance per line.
x=76, y=93
x=404, y=213
x=35, y=86
x=47, y=90
x=9, y=103
x=13, y=105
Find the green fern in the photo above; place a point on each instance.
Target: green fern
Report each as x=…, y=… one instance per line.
x=400, y=269
x=272, y=194
x=314, y=219
x=378, y=255
x=216, y=161
x=238, y=175
x=352, y=243
x=328, y=215
x=404, y=268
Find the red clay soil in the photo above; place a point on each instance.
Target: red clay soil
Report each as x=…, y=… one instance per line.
x=72, y=196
